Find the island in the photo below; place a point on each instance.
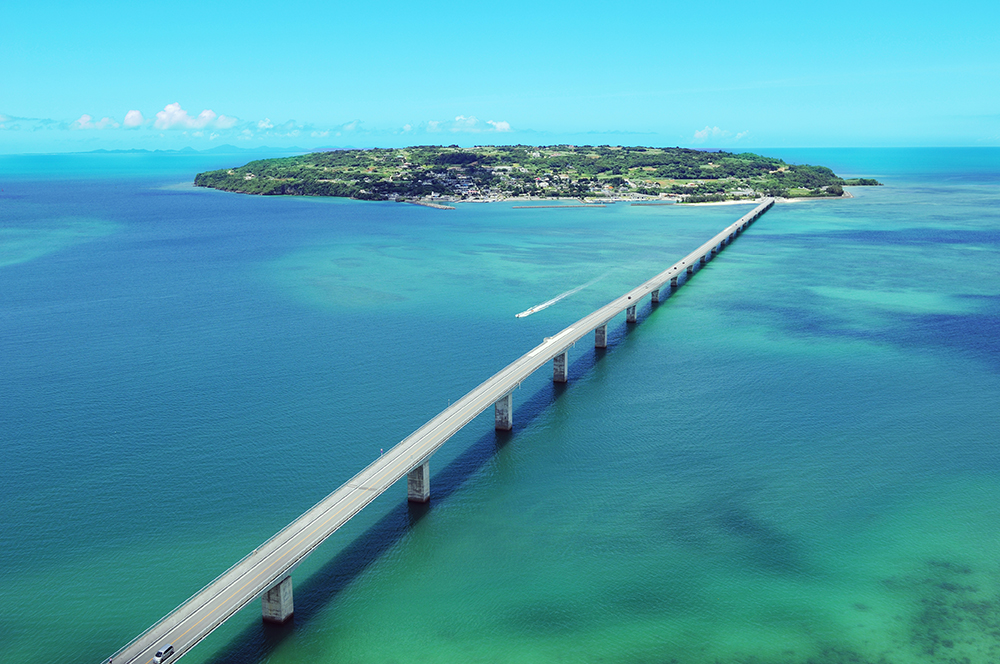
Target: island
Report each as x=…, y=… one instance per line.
x=437, y=175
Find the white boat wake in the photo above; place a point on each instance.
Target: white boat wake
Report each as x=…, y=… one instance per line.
x=549, y=303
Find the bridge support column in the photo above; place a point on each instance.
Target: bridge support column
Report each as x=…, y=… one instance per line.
x=601, y=336
x=673, y=282
x=630, y=314
x=702, y=260
x=690, y=270
x=654, y=297
x=418, y=484
x=560, y=368
x=505, y=412
x=276, y=603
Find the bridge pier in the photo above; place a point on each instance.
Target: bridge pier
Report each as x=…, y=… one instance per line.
x=418, y=484
x=654, y=297
x=690, y=270
x=702, y=260
x=560, y=368
x=630, y=314
x=715, y=251
x=673, y=282
x=601, y=336
x=276, y=603
x=505, y=412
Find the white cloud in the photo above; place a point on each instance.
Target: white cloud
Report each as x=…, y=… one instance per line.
x=716, y=134
x=703, y=135
x=175, y=123
x=174, y=117
x=463, y=123
x=14, y=123
x=267, y=127
x=87, y=122
x=133, y=119
x=466, y=124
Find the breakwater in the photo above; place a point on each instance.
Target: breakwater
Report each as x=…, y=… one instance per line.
x=436, y=206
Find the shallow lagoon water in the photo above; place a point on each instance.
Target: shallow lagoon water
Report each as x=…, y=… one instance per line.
x=794, y=458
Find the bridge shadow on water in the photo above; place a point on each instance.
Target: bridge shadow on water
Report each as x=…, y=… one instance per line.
x=256, y=643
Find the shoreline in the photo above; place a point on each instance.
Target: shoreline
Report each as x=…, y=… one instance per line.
x=447, y=204
x=804, y=199
x=651, y=202
x=558, y=207
x=744, y=201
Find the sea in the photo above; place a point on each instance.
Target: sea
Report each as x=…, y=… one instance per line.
x=793, y=459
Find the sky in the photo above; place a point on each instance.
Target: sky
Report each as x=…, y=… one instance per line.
x=121, y=74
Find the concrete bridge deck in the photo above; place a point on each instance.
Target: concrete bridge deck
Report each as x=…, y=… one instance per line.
x=265, y=571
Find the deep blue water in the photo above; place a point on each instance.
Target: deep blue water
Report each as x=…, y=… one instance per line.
x=795, y=458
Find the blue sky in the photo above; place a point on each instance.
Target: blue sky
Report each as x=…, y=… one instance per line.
x=735, y=75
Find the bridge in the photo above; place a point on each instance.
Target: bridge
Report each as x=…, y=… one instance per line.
x=266, y=571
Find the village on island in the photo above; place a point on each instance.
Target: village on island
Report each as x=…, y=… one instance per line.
x=592, y=175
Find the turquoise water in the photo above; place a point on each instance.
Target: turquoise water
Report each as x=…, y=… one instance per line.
x=793, y=459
